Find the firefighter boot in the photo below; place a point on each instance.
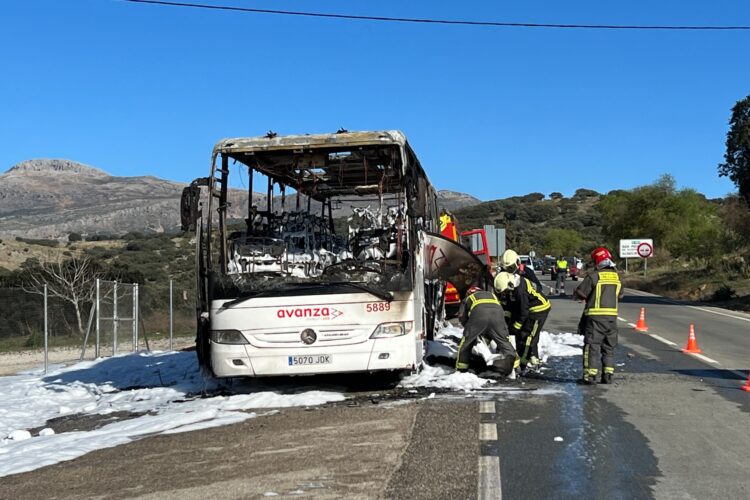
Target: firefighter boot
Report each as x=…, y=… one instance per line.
x=606, y=378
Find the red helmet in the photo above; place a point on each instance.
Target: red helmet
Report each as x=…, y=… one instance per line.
x=600, y=254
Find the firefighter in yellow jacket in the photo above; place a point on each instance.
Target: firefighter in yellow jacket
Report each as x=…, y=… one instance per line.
x=601, y=290
x=528, y=311
x=482, y=316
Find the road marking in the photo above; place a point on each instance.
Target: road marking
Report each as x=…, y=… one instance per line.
x=487, y=432
x=489, y=478
x=487, y=407
x=676, y=303
x=662, y=339
x=704, y=358
x=622, y=319
x=632, y=325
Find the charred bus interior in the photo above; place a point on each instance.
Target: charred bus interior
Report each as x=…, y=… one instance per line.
x=289, y=243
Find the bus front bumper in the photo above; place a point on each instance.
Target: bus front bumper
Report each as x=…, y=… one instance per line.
x=374, y=355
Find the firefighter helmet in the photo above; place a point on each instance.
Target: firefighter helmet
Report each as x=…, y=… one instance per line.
x=510, y=261
x=506, y=281
x=599, y=255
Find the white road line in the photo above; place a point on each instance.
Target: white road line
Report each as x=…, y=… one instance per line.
x=488, y=432
x=704, y=358
x=662, y=339
x=489, y=478
x=487, y=407
x=676, y=303
x=632, y=325
x=717, y=312
x=622, y=319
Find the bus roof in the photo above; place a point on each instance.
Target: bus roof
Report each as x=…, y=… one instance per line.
x=271, y=141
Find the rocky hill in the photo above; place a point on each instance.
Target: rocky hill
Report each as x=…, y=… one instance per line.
x=51, y=198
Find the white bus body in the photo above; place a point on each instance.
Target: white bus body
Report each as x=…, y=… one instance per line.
x=282, y=293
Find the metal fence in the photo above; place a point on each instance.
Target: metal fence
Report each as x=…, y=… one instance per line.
x=113, y=320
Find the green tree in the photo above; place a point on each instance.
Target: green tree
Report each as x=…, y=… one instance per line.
x=736, y=164
x=562, y=242
x=682, y=222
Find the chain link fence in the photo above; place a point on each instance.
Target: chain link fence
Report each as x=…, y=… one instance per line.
x=111, y=325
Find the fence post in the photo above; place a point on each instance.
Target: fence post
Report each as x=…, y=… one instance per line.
x=135, y=338
x=46, y=335
x=114, y=320
x=170, y=315
x=137, y=311
x=97, y=317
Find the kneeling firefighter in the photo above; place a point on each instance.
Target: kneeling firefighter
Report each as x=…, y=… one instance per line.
x=528, y=312
x=482, y=316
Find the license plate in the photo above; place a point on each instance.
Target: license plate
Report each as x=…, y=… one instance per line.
x=316, y=359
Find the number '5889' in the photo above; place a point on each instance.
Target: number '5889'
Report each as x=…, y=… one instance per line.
x=378, y=307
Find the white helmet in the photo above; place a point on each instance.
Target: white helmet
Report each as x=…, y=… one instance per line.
x=506, y=281
x=509, y=261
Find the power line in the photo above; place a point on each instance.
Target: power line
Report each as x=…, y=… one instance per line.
x=438, y=21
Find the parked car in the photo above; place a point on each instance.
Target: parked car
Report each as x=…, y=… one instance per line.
x=547, y=264
x=527, y=261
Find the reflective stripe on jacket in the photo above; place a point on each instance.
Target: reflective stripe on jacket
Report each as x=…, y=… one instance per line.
x=481, y=297
x=604, y=297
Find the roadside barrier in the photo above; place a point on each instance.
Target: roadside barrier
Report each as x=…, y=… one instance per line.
x=692, y=344
x=746, y=387
x=641, y=326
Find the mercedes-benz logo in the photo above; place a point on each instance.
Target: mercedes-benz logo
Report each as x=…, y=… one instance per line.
x=308, y=336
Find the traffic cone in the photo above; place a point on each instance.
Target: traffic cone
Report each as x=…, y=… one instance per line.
x=746, y=387
x=641, y=326
x=692, y=345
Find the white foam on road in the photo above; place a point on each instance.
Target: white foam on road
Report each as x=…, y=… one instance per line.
x=444, y=378
x=162, y=384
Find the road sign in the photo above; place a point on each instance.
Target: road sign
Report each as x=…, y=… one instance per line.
x=636, y=248
x=645, y=250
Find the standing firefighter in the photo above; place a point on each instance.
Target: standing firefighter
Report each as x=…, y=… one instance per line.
x=482, y=315
x=528, y=312
x=562, y=272
x=601, y=290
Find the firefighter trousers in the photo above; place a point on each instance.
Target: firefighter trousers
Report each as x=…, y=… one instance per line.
x=599, y=342
x=475, y=329
x=527, y=338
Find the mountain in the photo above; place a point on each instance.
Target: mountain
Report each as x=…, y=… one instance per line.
x=51, y=198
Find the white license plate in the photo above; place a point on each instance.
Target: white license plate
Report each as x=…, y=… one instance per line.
x=315, y=359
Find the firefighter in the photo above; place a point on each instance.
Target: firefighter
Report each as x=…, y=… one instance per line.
x=529, y=310
x=601, y=290
x=482, y=315
x=562, y=272
x=510, y=263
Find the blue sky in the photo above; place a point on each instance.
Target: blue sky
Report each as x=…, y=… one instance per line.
x=494, y=112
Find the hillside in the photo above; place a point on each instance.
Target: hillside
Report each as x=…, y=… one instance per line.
x=51, y=198
x=528, y=218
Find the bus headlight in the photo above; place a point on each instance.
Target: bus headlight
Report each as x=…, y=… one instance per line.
x=390, y=330
x=228, y=337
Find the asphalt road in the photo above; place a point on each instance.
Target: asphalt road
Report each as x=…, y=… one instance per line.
x=672, y=426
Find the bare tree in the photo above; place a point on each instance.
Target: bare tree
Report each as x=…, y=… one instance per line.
x=72, y=280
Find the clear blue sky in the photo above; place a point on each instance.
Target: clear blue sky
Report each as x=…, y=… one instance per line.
x=494, y=112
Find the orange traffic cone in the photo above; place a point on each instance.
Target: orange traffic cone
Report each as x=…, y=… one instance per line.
x=746, y=387
x=692, y=345
x=641, y=325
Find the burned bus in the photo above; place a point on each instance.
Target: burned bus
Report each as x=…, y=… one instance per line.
x=331, y=270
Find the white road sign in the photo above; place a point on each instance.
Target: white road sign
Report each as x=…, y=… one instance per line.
x=639, y=248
